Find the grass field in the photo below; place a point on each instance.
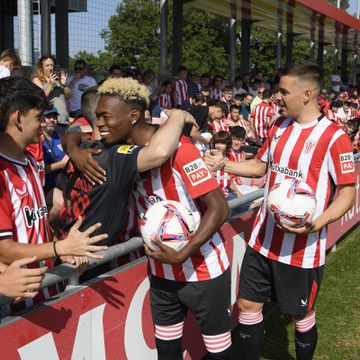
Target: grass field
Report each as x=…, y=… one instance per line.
x=337, y=309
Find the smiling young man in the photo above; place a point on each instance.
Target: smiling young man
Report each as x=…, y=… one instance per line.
x=287, y=263
x=24, y=227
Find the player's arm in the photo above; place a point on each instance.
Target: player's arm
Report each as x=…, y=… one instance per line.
x=164, y=141
x=249, y=168
x=214, y=217
x=83, y=158
x=76, y=243
x=343, y=202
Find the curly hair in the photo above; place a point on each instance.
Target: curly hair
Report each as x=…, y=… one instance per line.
x=39, y=73
x=127, y=89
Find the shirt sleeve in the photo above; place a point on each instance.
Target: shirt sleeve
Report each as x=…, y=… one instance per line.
x=193, y=170
x=341, y=161
x=124, y=171
x=6, y=223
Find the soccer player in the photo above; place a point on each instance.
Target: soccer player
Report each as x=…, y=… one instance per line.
x=24, y=227
x=283, y=262
x=197, y=277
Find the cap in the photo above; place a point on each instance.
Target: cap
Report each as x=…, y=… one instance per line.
x=52, y=110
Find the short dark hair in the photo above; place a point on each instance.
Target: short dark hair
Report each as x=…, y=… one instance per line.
x=222, y=137
x=89, y=100
x=267, y=93
x=21, y=94
x=306, y=71
x=336, y=103
x=115, y=67
x=181, y=68
x=234, y=107
x=238, y=132
x=80, y=62
x=227, y=88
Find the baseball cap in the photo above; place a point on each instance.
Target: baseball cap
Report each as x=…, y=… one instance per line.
x=52, y=110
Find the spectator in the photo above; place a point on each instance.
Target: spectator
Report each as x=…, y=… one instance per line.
x=234, y=117
x=245, y=107
x=255, y=89
x=331, y=114
x=9, y=62
x=181, y=96
x=336, y=79
x=205, y=80
x=165, y=99
x=54, y=85
x=78, y=83
x=246, y=79
x=227, y=97
x=238, y=89
x=115, y=72
x=55, y=164
x=193, y=87
x=216, y=92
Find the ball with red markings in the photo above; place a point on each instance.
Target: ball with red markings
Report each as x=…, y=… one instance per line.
x=291, y=202
x=169, y=222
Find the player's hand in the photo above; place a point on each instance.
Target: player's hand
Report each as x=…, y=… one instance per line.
x=19, y=282
x=81, y=243
x=90, y=168
x=165, y=254
x=214, y=159
x=309, y=227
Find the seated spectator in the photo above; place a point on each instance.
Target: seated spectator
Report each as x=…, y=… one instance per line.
x=246, y=79
x=352, y=129
x=205, y=81
x=9, y=62
x=233, y=118
x=115, y=71
x=331, y=114
x=245, y=107
x=238, y=100
x=78, y=83
x=181, y=95
x=255, y=88
x=53, y=81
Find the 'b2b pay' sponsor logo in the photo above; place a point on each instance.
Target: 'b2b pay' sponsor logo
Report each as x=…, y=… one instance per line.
x=347, y=163
x=196, y=171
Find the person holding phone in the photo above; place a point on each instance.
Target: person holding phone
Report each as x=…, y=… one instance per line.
x=50, y=78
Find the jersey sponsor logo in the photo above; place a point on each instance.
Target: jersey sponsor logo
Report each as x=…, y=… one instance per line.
x=32, y=215
x=347, y=162
x=126, y=149
x=153, y=199
x=297, y=174
x=197, y=172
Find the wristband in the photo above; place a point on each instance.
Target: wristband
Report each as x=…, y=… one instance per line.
x=54, y=247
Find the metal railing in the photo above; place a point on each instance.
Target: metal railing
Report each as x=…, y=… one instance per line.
x=68, y=272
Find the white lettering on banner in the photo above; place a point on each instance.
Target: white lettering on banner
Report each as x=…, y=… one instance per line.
x=134, y=342
x=239, y=247
x=37, y=348
x=356, y=208
x=89, y=340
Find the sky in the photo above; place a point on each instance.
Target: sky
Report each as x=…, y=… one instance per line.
x=84, y=27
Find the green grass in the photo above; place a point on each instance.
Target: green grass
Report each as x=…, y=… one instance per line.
x=337, y=309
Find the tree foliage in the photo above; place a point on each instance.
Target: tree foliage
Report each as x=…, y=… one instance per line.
x=132, y=40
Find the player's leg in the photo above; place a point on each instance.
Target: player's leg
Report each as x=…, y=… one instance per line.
x=296, y=290
x=168, y=316
x=254, y=291
x=209, y=301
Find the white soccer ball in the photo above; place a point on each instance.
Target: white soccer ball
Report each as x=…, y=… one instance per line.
x=169, y=222
x=291, y=202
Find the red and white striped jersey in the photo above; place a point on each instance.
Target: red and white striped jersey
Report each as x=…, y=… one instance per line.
x=184, y=178
x=36, y=151
x=239, y=122
x=275, y=109
x=236, y=155
x=224, y=179
x=23, y=211
x=219, y=125
x=314, y=153
x=181, y=92
x=331, y=115
x=259, y=115
x=216, y=94
x=165, y=101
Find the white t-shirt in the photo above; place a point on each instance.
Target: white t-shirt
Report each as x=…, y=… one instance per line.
x=77, y=90
x=336, y=80
x=4, y=71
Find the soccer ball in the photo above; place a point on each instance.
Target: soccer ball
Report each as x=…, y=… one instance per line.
x=169, y=222
x=291, y=202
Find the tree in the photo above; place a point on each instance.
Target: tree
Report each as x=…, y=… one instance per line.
x=344, y=4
